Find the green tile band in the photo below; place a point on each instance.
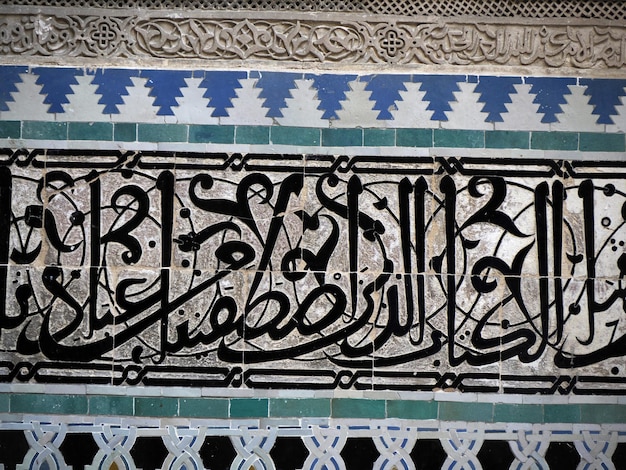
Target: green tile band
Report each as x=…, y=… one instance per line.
x=346, y=408
x=312, y=137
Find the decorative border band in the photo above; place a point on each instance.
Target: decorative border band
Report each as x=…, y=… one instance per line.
x=542, y=410
x=465, y=142
x=311, y=444
x=304, y=39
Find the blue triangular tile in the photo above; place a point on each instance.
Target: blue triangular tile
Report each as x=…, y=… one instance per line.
x=385, y=92
x=439, y=92
x=165, y=87
x=220, y=89
x=550, y=93
x=113, y=84
x=9, y=76
x=605, y=96
x=55, y=84
x=331, y=91
x=275, y=88
x=496, y=92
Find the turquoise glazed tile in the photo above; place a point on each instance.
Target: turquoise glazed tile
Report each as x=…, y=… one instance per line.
x=459, y=139
x=507, y=140
x=561, y=413
x=605, y=413
x=10, y=129
x=357, y=408
x=302, y=407
x=379, y=137
x=342, y=137
x=111, y=405
x=414, y=137
x=44, y=130
x=464, y=411
x=203, y=407
x=412, y=409
x=124, y=132
x=208, y=134
x=4, y=403
x=252, y=135
x=554, y=141
x=249, y=408
x=517, y=413
x=156, y=406
x=90, y=131
x=302, y=136
x=596, y=142
x=53, y=404
x=162, y=132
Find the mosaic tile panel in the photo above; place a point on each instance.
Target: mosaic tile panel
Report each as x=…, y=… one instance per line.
x=265, y=98
x=313, y=272
x=315, y=444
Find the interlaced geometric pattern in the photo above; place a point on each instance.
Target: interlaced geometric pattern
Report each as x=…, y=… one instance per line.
x=598, y=9
x=594, y=445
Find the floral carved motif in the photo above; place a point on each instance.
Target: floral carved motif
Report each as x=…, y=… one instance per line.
x=305, y=40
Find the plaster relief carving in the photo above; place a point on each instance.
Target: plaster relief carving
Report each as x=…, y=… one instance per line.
x=315, y=41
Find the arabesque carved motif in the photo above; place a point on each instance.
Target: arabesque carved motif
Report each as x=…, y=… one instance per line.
x=315, y=41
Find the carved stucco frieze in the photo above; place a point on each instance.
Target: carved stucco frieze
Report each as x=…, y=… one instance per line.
x=349, y=40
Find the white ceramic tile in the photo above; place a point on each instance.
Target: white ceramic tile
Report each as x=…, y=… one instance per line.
x=577, y=113
x=522, y=113
x=247, y=107
x=138, y=105
x=28, y=103
x=83, y=103
x=411, y=112
x=302, y=108
x=193, y=106
x=357, y=110
x=466, y=111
